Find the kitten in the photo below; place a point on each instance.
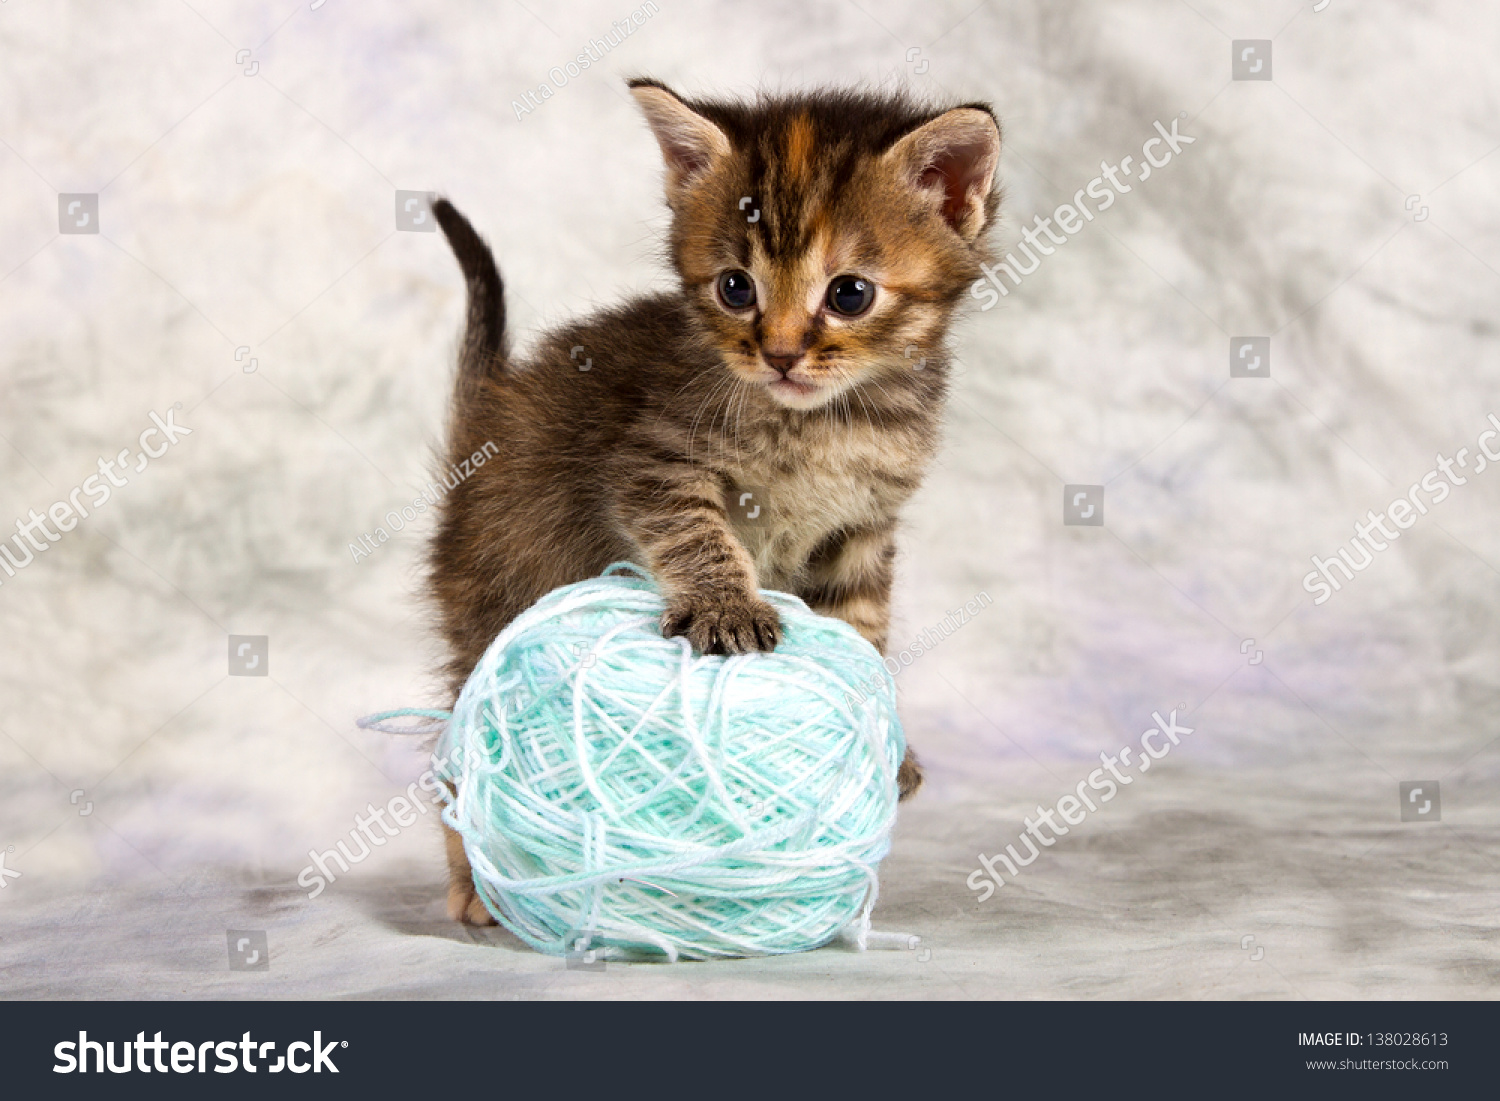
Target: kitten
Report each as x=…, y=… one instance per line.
x=822, y=242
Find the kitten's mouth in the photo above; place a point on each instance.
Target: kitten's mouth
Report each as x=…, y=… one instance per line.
x=790, y=388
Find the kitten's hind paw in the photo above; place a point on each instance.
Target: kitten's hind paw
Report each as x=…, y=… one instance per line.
x=908, y=776
x=738, y=625
x=464, y=904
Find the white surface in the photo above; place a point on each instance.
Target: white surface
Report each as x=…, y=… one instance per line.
x=258, y=211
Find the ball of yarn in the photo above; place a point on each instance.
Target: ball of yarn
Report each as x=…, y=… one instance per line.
x=619, y=791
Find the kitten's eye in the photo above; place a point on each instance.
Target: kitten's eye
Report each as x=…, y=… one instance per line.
x=850, y=295
x=737, y=290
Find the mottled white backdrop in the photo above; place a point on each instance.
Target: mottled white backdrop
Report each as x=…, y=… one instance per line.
x=150, y=801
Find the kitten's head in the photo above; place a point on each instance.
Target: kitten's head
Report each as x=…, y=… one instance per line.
x=825, y=238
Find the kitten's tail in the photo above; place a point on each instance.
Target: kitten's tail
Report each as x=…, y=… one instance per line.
x=483, y=348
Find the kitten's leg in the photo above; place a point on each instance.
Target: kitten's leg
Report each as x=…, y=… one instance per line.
x=463, y=900
x=675, y=514
x=849, y=577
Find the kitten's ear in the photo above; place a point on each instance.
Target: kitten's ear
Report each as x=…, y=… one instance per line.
x=953, y=159
x=690, y=143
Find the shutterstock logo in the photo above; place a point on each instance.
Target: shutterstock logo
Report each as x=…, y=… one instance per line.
x=1083, y=505
x=186, y=1057
x=1070, y=218
x=1421, y=801
x=414, y=212
x=1432, y=489
x=78, y=213
x=1250, y=357
x=750, y=505
x=248, y=656
x=33, y=537
x=1251, y=59
x=1074, y=808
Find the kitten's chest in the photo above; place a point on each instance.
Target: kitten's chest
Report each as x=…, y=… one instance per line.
x=805, y=490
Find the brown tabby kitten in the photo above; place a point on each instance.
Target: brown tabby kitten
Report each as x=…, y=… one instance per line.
x=802, y=359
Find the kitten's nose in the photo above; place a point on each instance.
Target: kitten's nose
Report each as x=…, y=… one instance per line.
x=782, y=363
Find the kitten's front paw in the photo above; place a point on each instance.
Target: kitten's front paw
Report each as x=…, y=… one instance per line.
x=719, y=625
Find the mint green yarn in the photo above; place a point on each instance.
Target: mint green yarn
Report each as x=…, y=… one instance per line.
x=615, y=787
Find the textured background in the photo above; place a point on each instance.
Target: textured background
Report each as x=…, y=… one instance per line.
x=258, y=211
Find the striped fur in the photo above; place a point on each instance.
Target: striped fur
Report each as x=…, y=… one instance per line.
x=647, y=454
